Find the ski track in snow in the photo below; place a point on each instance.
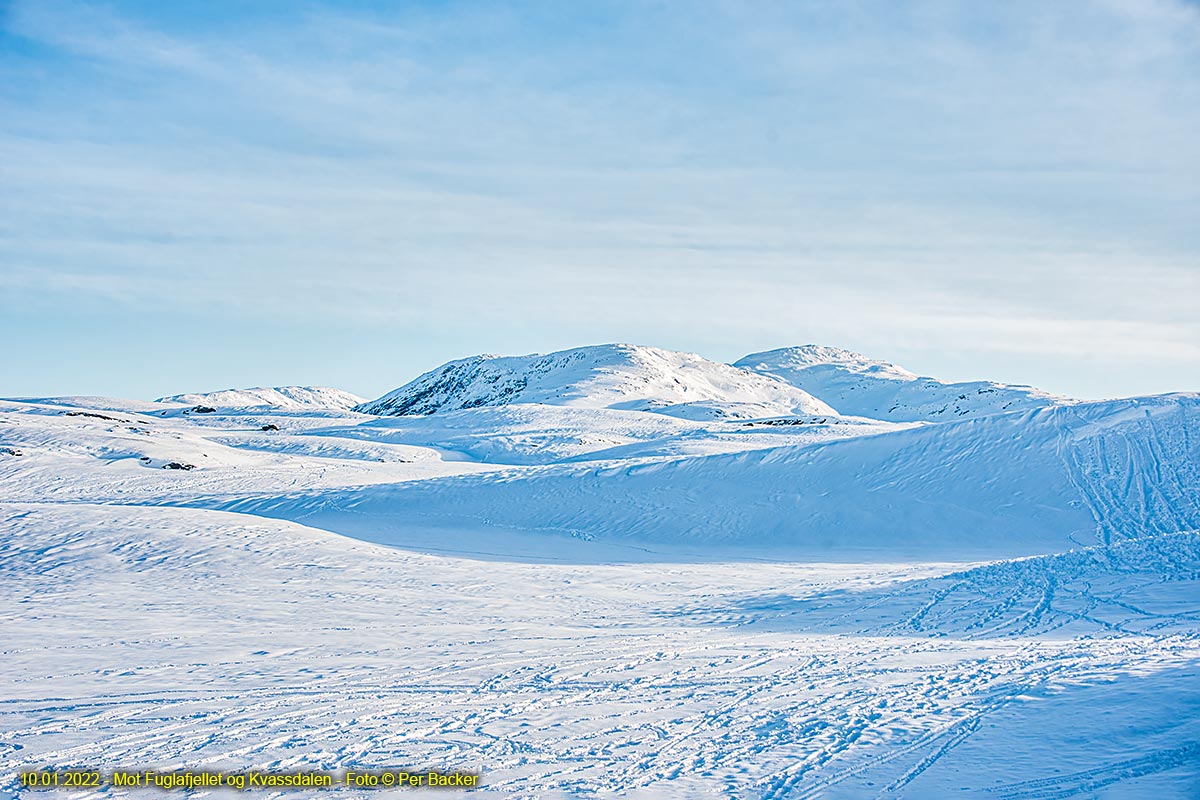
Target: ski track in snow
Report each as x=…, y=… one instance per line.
x=145, y=627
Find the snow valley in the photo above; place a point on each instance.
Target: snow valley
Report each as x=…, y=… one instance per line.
x=612, y=570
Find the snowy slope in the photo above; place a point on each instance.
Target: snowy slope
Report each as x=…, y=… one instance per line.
x=1022, y=483
x=1138, y=586
x=58, y=452
x=278, y=397
x=617, y=376
x=166, y=637
x=860, y=386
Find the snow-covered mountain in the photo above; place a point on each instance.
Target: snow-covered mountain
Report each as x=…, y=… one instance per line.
x=294, y=397
x=861, y=386
x=615, y=376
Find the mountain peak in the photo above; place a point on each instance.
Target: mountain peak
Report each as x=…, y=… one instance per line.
x=814, y=355
x=619, y=376
x=866, y=387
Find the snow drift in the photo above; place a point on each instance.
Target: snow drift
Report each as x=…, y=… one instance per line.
x=1004, y=485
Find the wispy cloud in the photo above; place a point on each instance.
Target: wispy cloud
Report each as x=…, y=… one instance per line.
x=1015, y=177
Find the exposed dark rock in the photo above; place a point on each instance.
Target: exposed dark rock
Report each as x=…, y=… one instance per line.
x=177, y=465
x=10, y=451
x=91, y=414
x=269, y=428
x=203, y=409
x=778, y=422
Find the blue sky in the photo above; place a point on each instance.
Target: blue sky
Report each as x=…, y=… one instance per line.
x=199, y=196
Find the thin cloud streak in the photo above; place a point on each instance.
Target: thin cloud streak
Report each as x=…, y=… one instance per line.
x=924, y=177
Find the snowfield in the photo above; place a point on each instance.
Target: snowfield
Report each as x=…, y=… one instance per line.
x=613, y=571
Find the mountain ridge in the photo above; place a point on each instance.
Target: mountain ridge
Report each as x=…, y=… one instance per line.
x=861, y=386
x=797, y=381
x=275, y=396
x=615, y=376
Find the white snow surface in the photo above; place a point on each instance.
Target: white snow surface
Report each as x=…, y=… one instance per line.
x=865, y=387
x=616, y=376
x=1006, y=485
x=580, y=596
x=278, y=397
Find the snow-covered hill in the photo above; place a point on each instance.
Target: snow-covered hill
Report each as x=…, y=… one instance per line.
x=293, y=397
x=616, y=376
x=1022, y=483
x=861, y=386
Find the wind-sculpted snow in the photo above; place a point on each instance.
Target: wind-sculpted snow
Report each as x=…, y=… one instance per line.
x=614, y=376
x=1003, y=485
x=860, y=386
x=278, y=397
